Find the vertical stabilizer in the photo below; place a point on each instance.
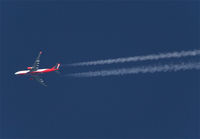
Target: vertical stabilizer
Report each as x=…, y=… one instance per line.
x=56, y=66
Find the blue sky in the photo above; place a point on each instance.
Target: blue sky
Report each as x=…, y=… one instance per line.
x=161, y=105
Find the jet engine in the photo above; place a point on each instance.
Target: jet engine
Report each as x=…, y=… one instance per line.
x=29, y=68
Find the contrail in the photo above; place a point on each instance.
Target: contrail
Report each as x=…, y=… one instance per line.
x=140, y=58
x=143, y=69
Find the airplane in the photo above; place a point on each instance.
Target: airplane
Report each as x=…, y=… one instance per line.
x=34, y=71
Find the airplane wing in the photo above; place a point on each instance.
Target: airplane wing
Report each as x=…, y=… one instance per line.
x=38, y=79
x=36, y=63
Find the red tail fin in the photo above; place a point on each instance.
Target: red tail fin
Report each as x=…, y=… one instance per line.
x=56, y=66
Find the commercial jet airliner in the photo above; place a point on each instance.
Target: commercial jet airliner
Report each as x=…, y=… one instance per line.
x=34, y=71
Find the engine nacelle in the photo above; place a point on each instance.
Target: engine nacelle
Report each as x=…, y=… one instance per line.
x=29, y=68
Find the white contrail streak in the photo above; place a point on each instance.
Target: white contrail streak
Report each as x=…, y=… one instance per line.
x=143, y=69
x=140, y=58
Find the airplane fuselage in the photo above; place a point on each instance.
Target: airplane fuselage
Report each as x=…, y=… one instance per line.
x=39, y=71
x=34, y=71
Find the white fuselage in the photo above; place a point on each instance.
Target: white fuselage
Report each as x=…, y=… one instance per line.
x=22, y=72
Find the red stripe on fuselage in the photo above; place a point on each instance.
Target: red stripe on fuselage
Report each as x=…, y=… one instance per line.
x=44, y=71
x=40, y=71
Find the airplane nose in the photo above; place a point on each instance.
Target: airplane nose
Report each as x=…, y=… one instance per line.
x=15, y=73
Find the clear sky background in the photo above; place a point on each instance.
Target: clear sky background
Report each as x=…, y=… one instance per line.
x=143, y=106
